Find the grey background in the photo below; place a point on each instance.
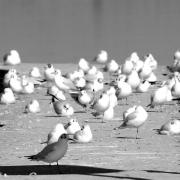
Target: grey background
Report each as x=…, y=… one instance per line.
x=61, y=31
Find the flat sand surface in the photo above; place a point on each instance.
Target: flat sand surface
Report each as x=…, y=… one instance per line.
x=113, y=154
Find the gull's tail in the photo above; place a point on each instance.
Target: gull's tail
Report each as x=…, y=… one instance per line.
x=149, y=105
x=32, y=157
x=44, y=142
x=175, y=99
x=122, y=126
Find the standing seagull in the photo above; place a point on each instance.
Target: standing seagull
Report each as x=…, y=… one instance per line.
x=101, y=104
x=134, y=117
x=52, y=152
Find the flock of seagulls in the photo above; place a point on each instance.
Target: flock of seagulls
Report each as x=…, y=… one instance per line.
x=97, y=95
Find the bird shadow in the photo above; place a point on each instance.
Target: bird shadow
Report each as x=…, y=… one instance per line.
x=156, y=111
x=126, y=137
x=65, y=169
x=78, y=112
x=49, y=116
x=158, y=171
x=54, y=169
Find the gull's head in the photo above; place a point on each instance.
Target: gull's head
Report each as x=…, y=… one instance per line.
x=100, y=80
x=73, y=120
x=57, y=72
x=63, y=137
x=49, y=66
x=67, y=106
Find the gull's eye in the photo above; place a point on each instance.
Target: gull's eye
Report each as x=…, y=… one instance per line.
x=63, y=136
x=172, y=122
x=49, y=65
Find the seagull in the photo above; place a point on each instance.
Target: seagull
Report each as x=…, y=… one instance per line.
x=145, y=72
x=108, y=114
x=175, y=90
x=143, y=86
x=84, y=65
x=62, y=108
x=52, y=152
x=12, y=58
x=55, y=133
x=72, y=126
x=15, y=84
x=92, y=71
x=133, y=79
x=83, y=97
x=35, y=72
x=63, y=83
x=8, y=75
x=102, y=57
x=127, y=67
x=84, y=135
x=134, y=118
x=76, y=74
x=112, y=66
x=54, y=91
x=134, y=58
x=7, y=97
x=177, y=55
x=28, y=86
x=79, y=83
x=150, y=60
x=101, y=104
x=160, y=96
x=129, y=111
x=96, y=85
x=49, y=72
x=32, y=107
x=170, y=128
x=176, y=64
x=92, y=76
x=123, y=90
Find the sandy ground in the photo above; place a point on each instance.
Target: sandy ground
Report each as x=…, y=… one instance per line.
x=113, y=154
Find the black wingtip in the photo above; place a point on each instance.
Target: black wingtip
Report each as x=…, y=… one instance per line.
x=1, y=125
x=31, y=157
